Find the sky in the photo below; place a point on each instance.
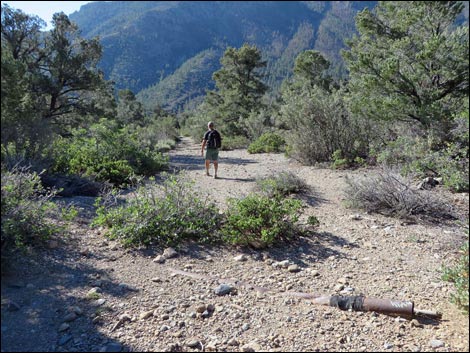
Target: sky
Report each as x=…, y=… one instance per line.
x=45, y=9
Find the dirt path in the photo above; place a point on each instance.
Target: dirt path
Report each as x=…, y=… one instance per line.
x=142, y=305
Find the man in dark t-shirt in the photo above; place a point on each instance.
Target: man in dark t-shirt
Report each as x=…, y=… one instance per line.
x=211, y=140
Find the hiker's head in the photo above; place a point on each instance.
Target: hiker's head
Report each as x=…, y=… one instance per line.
x=210, y=125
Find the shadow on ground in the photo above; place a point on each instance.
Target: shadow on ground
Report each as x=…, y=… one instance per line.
x=191, y=162
x=40, y=289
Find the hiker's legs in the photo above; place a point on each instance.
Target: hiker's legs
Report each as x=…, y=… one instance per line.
x=216, y=166
x=208, y=162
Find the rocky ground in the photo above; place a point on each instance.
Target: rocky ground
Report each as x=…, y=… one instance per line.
x=85, y=293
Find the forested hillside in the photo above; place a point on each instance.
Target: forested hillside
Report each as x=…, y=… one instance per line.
x=145, y=44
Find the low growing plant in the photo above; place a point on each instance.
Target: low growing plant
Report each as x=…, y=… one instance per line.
x=29, y=217
x=261, y=220
x=282, y=184
x=267, y=143
x=160, y=214
x=459, y=275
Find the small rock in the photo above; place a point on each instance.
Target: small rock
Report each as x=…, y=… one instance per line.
x=94, y=291
x=65, y=339
x=193, y=343
x=293, y=268
x=99, y=302
x=233, y=342
x=400, y=319
x=169, y=253
x=347, y=290
x=201, y=308
x=283, y=264
x=192, y=315
x=251, y=347
x=64, y=327
x=30, y=286
x=211, y=346
x=240, y=258
x=146, y=315
x=388, y=345
x=342, y=280
x=246, y=327
x=223, y=289
x=126, y=286
x=159, y=259
x=436, y=343
x=339, y=287
x=70, y=317
x=77, y=310
x=164, y=328
x=125, y=317
x=356, y=217
x=315, y=273
x=156, y=279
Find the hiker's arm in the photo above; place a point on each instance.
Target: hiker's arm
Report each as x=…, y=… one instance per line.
x=202, y=147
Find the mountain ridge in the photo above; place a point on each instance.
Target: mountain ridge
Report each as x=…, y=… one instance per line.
x=145, y=43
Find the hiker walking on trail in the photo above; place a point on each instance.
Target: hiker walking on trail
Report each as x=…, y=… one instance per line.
x=212, y=141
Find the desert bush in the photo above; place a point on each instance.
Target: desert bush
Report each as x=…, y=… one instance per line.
x=281, y=184
x=159, y=214
x=160, y=130
x=28, y=214
x=266, y=143
x=429, y=153
x=458, y=274
x=318, y=123
x=165, y=145
x=234, y=142
x=106, y=153
x=389, y=193
x=260, y=220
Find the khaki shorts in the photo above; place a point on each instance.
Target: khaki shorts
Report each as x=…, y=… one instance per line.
x=212, y=154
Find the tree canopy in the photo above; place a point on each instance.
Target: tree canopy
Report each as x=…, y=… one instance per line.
x=239, y=87
x=409, y=62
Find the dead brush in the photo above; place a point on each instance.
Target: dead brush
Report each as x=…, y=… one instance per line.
x=387, y=192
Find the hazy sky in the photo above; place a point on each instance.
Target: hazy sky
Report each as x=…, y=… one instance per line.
x=45, y=9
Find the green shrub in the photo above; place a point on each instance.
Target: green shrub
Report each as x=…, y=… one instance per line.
x=28, y=215
x=313, y=221
x=459, y=276
x=267, y=143
x=234, y=142
x=282, y=184
x=106, y=153
x=424, y=155
x=260, y=220
x=338, y=161
x=165, y=145
x=160, y=214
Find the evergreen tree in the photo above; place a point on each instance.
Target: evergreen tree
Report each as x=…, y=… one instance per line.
x=129, y=110
x=50, y=80
x=239, y=88
x=409, y=63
